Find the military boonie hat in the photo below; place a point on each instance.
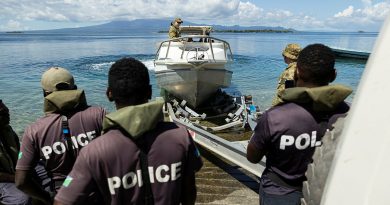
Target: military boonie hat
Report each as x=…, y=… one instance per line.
x=292, y=51
x=56, y=77
x=178, y=20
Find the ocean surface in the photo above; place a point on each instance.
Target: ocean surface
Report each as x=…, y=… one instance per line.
x=256, y=67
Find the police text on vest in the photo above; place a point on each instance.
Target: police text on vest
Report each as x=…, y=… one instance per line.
x=303, y=141
x=161, y=174
x=60, y=148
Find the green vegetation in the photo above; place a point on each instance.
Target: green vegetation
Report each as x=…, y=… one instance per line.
x=254, y=31
x=247, y=31
x=13, y=32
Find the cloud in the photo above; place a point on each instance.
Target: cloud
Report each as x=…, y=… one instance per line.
x=226, y=12
x=367, y=2
x=249, y=11
x=108, y=10
x=369, y=18
x=46, y=14
x=377, y=12
x=13, y=25
x=346, y=13
x=249, y=14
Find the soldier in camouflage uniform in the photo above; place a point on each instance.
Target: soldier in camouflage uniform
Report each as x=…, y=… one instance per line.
x=174, y=30
x=290, y=55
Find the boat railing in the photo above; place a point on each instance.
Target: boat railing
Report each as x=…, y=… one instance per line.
x=200, y=48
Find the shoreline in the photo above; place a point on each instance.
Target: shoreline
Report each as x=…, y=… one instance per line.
x=247, y=31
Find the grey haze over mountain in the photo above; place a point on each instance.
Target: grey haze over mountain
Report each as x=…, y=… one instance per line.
x=143, y=26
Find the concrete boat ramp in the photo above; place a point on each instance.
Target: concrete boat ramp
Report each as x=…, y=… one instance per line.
x=226, y=176
x=219, y=182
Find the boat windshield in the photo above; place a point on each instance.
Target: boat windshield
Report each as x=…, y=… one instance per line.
x=195, y=30
x=194, y=45
x=198, y=47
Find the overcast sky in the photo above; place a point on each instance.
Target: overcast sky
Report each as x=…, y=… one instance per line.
x=313, y=15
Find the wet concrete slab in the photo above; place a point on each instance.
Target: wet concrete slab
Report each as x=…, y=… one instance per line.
x=219, y=182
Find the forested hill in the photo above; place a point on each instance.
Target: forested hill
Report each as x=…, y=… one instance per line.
x=147, y=26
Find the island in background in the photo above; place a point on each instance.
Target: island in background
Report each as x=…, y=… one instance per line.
x=247, y=31
x=152, y=26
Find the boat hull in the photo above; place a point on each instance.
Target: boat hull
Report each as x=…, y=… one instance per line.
x=351, y=54
x=193, y=68
x=192, y=84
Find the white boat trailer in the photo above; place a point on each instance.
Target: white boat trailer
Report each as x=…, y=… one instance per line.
x=234, y=152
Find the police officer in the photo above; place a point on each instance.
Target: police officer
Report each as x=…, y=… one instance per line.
x=9, y=149
x=288, y=134
x=174, y=30
x=290, y=55
x=68, y=125
x=140, y=159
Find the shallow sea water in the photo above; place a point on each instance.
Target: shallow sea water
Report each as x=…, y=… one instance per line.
x=256, y=67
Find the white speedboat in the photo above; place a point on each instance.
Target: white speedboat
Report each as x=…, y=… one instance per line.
x=194, y=66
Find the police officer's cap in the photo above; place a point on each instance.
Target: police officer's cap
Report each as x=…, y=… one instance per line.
x=57, y=78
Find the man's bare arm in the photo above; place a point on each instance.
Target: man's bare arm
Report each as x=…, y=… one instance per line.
x=253, y=154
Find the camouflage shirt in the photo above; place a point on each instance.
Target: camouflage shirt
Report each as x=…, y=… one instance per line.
x=288, y=74
x=174, y=32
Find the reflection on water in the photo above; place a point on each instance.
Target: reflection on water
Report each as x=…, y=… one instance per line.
x=257, y=64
